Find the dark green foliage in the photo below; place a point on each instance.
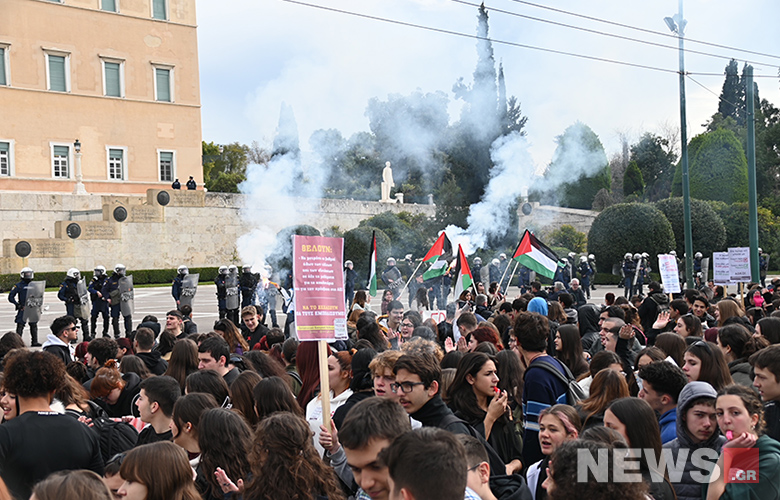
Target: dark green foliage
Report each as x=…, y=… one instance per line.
x=629, y=227
x=733, y=94
x=357, y=244
x=568, y=237
x=633, y=183
x=579, y=169
x=708, y=231
x=449, y=204
x=656, y=162
x=404, y=238
x=222, y=172
x=735, y=220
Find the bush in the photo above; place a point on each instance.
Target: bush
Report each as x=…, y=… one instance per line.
x=709, y=233
x=357, y=243
x=633, y=183
x=404, y=237
x=568, y=237
x=629, y=227
x=735, y=218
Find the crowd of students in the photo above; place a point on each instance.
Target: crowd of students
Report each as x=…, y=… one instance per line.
x=499, y=403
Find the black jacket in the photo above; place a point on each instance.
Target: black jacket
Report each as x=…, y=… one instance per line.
x=648, y=309
x=125, y=405
x=154, y=362
x=511, y=487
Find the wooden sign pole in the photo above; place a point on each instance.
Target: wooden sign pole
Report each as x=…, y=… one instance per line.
x=324, y=383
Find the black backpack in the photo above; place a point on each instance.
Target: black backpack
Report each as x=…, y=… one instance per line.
x=115, y=437
x=574, y=393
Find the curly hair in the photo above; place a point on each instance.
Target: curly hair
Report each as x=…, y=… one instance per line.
x=223, y=438
x=285, y=463
x=31, y=374
x=750, y=400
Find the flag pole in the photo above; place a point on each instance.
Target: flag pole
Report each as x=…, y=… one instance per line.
x=502, y=278
x=517, y=263
x=410, y=279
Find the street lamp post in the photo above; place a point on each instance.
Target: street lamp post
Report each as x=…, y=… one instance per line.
x=79, y=188
x=677, y=25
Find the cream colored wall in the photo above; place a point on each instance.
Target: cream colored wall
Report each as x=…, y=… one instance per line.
x=33, y=117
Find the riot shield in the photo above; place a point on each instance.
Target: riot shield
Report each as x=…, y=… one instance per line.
x=82, y=308
x=33, y=305
x=484, y=275
x=126, y=302
x=705, y=270
x=189, y=287
x=233, y=298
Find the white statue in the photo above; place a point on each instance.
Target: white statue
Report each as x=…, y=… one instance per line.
x=387, y=184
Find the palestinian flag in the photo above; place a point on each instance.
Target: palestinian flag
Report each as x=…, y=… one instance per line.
x=463, y=279
x=536, y=256
x=372, y=266
x=437, y=257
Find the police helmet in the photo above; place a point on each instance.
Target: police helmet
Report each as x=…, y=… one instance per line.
x=477, y=260
x=408, y=257
x=73, y=273
x=637, y=256
x=120, y=269
x=592, y=257
x=572, y=255
x=26, y=273
x=247, y=268
x=565, y=260
x=627, y=256
x=645, y=255
x=697, y=255
x=99, y=271
x=390, y=261
x=232, y=269
x=348, y=264
x=183, y=270
x=583, y=259
x=502, y=255
x=673, y=252
x=759, y=250
x=223, y=269
x=495, y=262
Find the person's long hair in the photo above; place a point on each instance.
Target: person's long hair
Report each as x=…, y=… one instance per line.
x=241, y=396
x=571, y=353
x=134, y=364
x=461, y=393
x=728, y=308
x=264, y=364
x=360, y=299
x=309, y=370
x=285, y=464
x=741, y=342
x=672, y=345
x=714, y=369
x=106, y=380
x=163, y=468
x=510, y=375
x=607, y=386
x=272, y=395
x=642, y=428
x=232, y=335
x=770, y=329
x=223, y=438
x=184, y=360
x=556, y=313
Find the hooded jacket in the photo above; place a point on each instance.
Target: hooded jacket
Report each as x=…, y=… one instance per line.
x=154, y=362
x=687, y=488
x=649, y=308
x=588, y=316
x=740, y=372
x=511, y=487
x=56, y=346
x=126, y=403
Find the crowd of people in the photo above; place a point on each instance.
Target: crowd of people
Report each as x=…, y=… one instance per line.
x=501, y=399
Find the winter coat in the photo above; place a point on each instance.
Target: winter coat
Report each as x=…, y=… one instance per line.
x=768, y=487
x=154, y=362
x=740, y=373
x=649, y=308
x=686, y=488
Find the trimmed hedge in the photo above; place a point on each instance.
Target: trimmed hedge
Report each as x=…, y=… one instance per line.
x=140, y=277
x=708, y=231
x=629, y=227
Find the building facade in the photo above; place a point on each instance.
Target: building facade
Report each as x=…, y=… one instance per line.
x=118, y=77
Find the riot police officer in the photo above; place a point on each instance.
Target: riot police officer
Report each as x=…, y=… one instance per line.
x=247, y=283
x=476, y=269
x=592, y=262
x=69, y=293
x=99, y=303
x=392, y=278
x=18, y=297
x=178, y=283
x=114, y=296
x=232, y=295
x=221, y=291
x=585, y=273
x=628, y=270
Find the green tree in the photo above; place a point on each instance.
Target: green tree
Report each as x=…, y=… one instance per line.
x=629, y=227
x=568, y=237
x=449, y=204
x=732, y=96
x=633, y=183
x=579, y=169
x=718, y=168
x=222, y=172
x=655, y=160
x=357, y=244
x=709, y=233
x=735, y=219
x=404, y=238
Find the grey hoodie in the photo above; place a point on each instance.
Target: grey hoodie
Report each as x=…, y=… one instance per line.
x=687, y=488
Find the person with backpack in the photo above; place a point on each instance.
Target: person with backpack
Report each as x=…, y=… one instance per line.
x=545, y=379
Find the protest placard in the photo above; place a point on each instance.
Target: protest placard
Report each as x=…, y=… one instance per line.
x=670, y=275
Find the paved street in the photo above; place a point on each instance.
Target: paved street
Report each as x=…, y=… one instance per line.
x=157, y=301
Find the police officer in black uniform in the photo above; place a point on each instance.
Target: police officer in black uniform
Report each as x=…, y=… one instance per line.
x=112, y=293
x=99, y=303
x=221, y=291
x=247, y=283
x=70, y=295
x=18, y=297
x=178, y=283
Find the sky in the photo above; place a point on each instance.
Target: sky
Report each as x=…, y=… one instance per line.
x=256, y=54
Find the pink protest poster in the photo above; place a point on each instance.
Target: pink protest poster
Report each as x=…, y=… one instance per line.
x=318, y=281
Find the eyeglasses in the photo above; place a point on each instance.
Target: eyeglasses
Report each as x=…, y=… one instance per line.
x=407, y=325
x=405, y=387
x=475, y=467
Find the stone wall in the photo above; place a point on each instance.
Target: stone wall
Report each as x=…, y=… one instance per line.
x=545, y=218
x=193, y=227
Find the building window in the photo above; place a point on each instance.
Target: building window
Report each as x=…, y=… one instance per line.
x=163, y=84
x=113, y=78
x=5, y=158
x=3, y=65
x=110, y=5
x=116, y=163
x=58, y=71
x=61, y=161
x=166, y=166
x=160, y=9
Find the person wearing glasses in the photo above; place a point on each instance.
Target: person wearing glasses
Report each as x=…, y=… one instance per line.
x=63, y=332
